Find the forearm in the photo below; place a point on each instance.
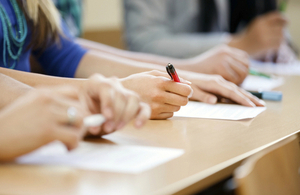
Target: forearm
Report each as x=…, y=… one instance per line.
x=11, y=89
x=34, y=80
x=111, y=65
x=137, y=56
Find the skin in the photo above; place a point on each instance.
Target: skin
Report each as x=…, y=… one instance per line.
x=111, y=65
x=231, y=63
x=265, y=33
x=48, y=107
x=11, y=89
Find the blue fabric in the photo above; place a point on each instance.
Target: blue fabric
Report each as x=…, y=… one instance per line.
x=57, y=60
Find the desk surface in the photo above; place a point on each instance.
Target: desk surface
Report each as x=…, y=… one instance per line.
x=213, y=149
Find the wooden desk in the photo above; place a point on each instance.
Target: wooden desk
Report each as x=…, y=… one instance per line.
x=213, y=149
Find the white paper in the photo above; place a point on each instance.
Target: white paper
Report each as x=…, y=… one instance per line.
x=218, y=111
x=102, y=157
x=278, y=69
x=258, y=83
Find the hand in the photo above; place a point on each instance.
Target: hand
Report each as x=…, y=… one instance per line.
x=157, y=89
x=285, y=54
x=231, y=63
x=207, y=87
x=38, y=118
x=264, y=33
x=117, y=104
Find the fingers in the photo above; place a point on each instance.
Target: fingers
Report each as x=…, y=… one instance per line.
x=165, y=75
x=229, y=74
x=277, y=18
x=174, y=99
x=232, y=92
x=226, y=89
x=177, y=88
x=143, y=115
x=117, y=104
x=61, y=107
x=68, y=135
x=164, y=115
x=239, y=69
x=203, y=96
x=254, y=99
x=120, y=103
x=131, y=110
x=158, y=109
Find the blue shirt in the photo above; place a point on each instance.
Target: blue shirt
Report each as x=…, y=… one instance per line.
x=57, y=60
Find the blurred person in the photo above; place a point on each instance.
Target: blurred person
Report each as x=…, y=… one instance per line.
x=41, y=34
x=185, y=29
x=223, y=60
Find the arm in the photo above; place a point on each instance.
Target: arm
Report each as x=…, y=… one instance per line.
x=34, y=80
x=149, y=29
x=116, y=66
x=43, y=114
x=11, y=90
x=230, y=63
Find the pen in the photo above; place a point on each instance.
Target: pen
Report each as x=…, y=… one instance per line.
x=94, y=120
x=268, y=95
x=255, y=73
x=172, y=72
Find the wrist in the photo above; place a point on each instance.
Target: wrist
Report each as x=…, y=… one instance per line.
x=240, y=42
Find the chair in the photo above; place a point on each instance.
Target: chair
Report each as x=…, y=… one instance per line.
x=273, y=171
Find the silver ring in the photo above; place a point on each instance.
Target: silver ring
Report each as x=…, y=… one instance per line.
x=72, y=112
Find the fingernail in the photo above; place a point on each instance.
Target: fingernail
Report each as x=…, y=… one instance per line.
x=262, y=102
x=191, y=94
x=212, y=100
x=109, y=126
x=108, y=113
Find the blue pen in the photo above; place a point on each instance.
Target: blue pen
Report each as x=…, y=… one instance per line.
x=268, y=95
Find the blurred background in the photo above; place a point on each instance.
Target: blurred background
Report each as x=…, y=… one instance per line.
x=103, y=21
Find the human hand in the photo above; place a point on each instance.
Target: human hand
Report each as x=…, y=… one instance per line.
x=283, y=55
x=162, y=94
x=207, y=87
x=264, y=33
x=231, y=63
x=118, y=105
x=40, y=117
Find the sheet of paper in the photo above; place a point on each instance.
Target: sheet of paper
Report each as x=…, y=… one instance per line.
x=278, y=69
x=102, y=157
x=258, y=83
x=218, y=111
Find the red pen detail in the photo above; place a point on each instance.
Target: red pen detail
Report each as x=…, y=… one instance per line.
x=172, y=72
